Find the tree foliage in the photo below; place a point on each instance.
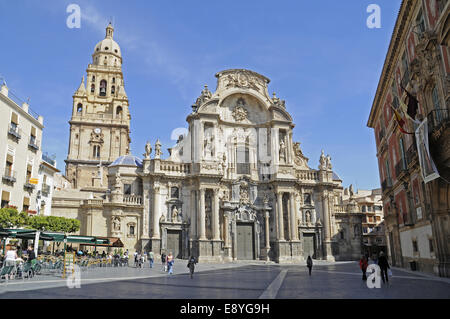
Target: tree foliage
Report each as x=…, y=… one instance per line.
x=10, y=217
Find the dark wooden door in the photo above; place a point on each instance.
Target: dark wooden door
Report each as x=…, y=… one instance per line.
x=174, y=243
x=245, y=241
x=308, y=245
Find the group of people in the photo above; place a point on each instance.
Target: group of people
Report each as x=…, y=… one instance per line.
x=13, y=259
x=381, y=261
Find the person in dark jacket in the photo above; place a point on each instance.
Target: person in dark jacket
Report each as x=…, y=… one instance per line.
x=384, y=265
x=191, y=265
x=309, y=264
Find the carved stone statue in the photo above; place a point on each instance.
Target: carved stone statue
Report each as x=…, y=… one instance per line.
x=118, y=183
x=351, y=190
x=239, y=112
x=174, y=214
x=329, y=162
x=308, y=217
x=243, y=193
x=282, y=151
x=158, y=151
x=322, y=162
x=116, y=223
x=148, y=150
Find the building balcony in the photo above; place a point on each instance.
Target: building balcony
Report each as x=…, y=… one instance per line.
x=411, y=154
x=132, y=199
x=386, y=185
x=33, y=143
x=29, y=187
x=400, y=169
x=9, y=176
x=437, y=122
x=14, y=131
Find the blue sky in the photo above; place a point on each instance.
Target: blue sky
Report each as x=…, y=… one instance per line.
x=320, y=56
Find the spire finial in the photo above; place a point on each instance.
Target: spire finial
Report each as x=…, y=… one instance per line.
x=109, y=31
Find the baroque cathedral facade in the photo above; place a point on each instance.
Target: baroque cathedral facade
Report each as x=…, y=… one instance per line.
x=235, y=187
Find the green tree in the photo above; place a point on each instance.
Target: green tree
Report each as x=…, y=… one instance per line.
x=10, y=217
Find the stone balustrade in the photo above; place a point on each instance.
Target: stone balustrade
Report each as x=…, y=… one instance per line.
x=171, y=167
x=132, y=199
x=307, y=175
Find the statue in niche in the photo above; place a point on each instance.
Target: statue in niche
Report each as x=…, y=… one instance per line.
x=208, y=145
x=174, y=213
x=282, y=151
x=308, y=217
x=243, y=193
x=116, y=224
x=148, y=150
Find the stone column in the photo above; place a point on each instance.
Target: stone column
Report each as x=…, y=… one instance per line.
x=202, y=228
x=156, y=213
x=293, y=219
x=216, y=222
x=326, y=216
x=266, y=218
x=226, y=231
x=280, y=233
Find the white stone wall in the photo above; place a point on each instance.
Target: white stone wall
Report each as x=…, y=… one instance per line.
x=421, y=234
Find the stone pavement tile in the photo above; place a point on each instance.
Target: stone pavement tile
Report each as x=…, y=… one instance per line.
x=226, y=283
x=346, y=283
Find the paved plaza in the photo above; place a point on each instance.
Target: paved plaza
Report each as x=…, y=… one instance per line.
x=251, y=280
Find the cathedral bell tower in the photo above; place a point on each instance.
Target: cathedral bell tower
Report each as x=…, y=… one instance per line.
x=100, y=122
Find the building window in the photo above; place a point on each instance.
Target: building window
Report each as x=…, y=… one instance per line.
x=430, y=243
x=103, y=88
x=119, y=112
x=79, y=108
x=5, y=199
x=96, y=151
x=113, y=80
x=243, y=159
x=307, y=198
x=26, y=204
x=342, y=234
x=415, y=247
x=365, y=230
x=363, y=208
x=174, y=192
x=131, y=230
x=92, y=88
x=93, y=78
x=127, y=189
x=113, y=89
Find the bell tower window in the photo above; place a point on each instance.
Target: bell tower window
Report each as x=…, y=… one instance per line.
x=79, y=108
x=119, y=112
x=92, y=88
x=102, y=88
x=96, y=151
x=113, y=89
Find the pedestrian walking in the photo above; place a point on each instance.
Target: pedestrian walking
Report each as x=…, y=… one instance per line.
x=191, y=265
x=384, y=265
x=363, y=265
x=170, y=263
x=151, y=258
x=309, y=264
x=142, y=260
x=135, y=258
x=163, y=261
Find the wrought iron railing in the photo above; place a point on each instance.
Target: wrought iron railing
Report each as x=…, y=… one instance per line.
x=34, y=143
x=14, y=130
x=437, y=119
x=9, y=175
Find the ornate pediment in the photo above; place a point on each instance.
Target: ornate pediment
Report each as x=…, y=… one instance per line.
x=242, y=79
x=96, y=137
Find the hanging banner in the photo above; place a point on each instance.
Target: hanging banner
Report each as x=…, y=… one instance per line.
x=429, y=171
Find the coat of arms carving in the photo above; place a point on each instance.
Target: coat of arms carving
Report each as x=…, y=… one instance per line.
x=239, y=112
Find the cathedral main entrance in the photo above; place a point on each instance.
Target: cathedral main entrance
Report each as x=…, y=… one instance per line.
x=174, y=243
x=308, y=245
x=245, y=241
